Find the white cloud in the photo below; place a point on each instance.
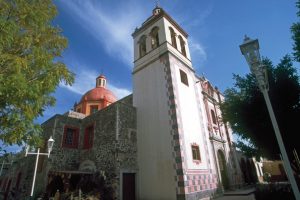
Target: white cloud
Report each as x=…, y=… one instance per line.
x=86, y=80
x=197, y=50
x=111, y=27
x=119, y=92
x=199, y=21
x=196, y=28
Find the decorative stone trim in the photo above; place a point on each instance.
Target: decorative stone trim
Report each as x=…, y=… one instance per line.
x=176, y=128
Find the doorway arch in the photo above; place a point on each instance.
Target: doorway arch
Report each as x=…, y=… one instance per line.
x=55, y=184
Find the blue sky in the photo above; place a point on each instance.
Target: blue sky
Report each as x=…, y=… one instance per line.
x=99, y=35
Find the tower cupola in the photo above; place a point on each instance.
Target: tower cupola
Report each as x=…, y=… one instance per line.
x=101, y=81
x=156, y=10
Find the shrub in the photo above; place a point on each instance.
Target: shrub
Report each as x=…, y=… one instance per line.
x=274, y=191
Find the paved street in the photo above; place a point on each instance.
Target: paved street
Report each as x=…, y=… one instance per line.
x=243, y=194
x=248, y=197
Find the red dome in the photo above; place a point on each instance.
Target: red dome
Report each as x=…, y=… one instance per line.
x=99, y=93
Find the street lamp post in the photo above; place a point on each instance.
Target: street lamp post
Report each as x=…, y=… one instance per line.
x=250, y=49
x=50, y=145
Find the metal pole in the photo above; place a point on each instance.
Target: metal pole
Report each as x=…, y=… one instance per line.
x=283, y=164
x=285, y=158
x=34, y=175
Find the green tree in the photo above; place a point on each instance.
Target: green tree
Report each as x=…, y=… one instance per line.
x=29, y=68
x=295, y=29
x=245, y=109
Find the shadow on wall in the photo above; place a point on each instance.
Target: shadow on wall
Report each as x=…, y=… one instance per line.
x=248, y=171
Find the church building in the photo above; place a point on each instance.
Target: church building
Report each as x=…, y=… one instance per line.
x=165, y=141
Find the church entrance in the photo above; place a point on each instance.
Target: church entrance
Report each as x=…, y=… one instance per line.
x=56, y=184
x=223, y=169
x=66, y=182
x=128, y=183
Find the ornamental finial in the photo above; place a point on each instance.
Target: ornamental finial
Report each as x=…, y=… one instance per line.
x=246, y=38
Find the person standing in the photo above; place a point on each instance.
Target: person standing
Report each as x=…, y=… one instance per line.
x=57, y=195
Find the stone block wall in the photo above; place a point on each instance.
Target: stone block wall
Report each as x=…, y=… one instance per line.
x=114, y=143
x=113, y=151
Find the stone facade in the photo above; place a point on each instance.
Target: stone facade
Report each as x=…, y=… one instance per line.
x=113, y=150
x=17, y=176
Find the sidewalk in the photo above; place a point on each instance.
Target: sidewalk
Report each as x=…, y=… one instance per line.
x=242, y=194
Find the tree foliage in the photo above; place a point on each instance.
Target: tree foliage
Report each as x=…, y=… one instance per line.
x=295, y=29
x=29, y=69
x=245, y=109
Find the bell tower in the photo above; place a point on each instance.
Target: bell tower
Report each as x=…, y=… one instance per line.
x=171, y=140
x=160, y=30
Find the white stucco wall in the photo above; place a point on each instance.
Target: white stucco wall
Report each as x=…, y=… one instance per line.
x=211, y=155
x=156, y=175
x=189, y=116
x=155, y=160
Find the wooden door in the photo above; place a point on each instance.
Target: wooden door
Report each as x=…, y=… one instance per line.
x=128, y=192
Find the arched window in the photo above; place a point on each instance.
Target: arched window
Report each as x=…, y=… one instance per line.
x=182, y=45
x=173, y=37
x=213, y=116
x=142, y=45
x=154, y=38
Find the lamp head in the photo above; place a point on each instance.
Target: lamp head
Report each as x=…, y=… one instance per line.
x=27, y=146
x=26, y=149
x=250, y=49
x=50, y=144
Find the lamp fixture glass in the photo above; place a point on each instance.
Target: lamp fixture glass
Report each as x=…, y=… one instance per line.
x=250, y=50
x=50, y=144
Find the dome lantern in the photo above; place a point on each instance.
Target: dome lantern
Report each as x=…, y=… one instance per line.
x=101, y=81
